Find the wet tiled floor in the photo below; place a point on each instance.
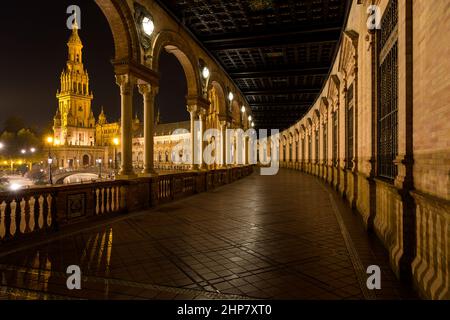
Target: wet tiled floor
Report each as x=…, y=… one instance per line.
x=287, y=236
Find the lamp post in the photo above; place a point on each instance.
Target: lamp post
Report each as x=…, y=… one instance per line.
x=50, y=179
x=32, y=151
x=243, y=116
x=50, y=160
x=116, y=142
x=99, y=162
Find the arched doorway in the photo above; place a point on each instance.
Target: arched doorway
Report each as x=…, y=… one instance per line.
x=85, y=160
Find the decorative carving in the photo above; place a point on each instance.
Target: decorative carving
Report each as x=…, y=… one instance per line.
x=348, y=61
x=76, y=205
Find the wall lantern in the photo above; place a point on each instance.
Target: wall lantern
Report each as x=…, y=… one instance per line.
x=231, y=96
x=145, y=25
x=250, y=118
x=205, y=73
x=148, y=26
x=243, y=109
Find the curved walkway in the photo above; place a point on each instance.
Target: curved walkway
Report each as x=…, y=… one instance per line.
x=282, y=237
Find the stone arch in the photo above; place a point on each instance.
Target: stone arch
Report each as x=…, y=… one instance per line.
x=323, y=105
x=236, y=113
x=296, y=133
x=123, y=28
x=221, y=96
x=173, y=43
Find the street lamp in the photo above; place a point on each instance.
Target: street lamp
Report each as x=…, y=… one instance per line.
x=49, y=159
x=99, y=162
x=116, y=142
x=23, y=151
x=1, y=145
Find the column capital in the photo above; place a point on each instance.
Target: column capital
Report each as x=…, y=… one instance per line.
x=147, y=88
x=192, y=109
x=125, y=82
x=201, y=112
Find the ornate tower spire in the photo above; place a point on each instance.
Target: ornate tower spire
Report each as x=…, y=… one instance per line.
x=75, y=46
x=74, y=97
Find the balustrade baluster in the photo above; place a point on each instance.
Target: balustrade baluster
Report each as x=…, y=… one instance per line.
x=97, y=201
x=41, y=203
x=8, y=219
x=108, y=203
x=34, y=207
x=51, y=217
x=23, y=226
x=102, y=197
x=45, y=210
x=2, y=220
x=13, y=215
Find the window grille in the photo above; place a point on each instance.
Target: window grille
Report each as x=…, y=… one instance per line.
x=388, y=97
x=335, y=137
x=325, y=142
x=349, y=127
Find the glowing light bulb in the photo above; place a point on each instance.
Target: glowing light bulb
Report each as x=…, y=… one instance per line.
x=148, y=26
x=205, y=73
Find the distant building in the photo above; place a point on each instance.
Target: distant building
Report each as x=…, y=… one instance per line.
x=80, y=139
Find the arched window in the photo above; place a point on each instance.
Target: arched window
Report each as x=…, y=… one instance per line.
x=303, y=149
x=290, y=151
x=335, y=137
x=309, y=148
x=316, y=144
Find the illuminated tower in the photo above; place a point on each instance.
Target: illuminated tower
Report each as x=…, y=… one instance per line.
x=74, y=121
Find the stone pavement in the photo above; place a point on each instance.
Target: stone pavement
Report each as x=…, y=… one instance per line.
x=287, y=236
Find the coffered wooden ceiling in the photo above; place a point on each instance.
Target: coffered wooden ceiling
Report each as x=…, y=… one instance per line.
x=278, y=52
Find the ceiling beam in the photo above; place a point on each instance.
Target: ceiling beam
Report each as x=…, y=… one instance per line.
x=281, y=72
x=303, y=103
x=319, y=35
x=281, y=91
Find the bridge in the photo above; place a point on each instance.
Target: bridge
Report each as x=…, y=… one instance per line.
x=59, y=177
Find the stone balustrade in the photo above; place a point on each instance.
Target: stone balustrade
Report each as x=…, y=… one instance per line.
x=25, y=213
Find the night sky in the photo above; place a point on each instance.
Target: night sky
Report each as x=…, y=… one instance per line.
x=33, y=37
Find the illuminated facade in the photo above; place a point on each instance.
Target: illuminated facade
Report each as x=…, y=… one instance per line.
x=80, y=140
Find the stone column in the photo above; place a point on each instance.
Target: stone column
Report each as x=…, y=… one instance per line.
x=202, y=144
x=148, y=93
x=223, y=155
x=126, y=83
x=193, y=113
